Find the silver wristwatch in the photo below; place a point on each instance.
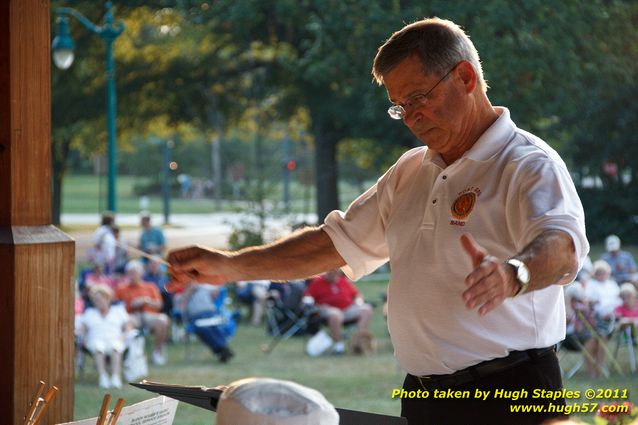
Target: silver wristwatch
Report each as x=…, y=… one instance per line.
x=521, y=272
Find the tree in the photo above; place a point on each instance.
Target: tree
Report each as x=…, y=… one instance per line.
x=534, y=54
x=606, y=120
x=323, y=51
x=204, y=70
x=77, y=103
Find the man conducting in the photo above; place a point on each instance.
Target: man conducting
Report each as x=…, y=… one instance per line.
x=481, y=226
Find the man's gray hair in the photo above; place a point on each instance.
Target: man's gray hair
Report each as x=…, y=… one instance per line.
x=136, y=266
x=439, y=44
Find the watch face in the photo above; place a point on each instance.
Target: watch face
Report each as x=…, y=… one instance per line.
x=523, y=274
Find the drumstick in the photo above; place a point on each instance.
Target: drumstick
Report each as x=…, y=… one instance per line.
x=34, y=404
x=101, y=419
x=47, y=399
x=116, y=411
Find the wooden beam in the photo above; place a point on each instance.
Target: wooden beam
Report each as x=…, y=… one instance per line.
x=36, y=259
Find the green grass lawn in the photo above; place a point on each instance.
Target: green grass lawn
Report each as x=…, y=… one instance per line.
x=87, y=194
x=355, y=382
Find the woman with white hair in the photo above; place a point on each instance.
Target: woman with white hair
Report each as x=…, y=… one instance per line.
x=628, y=310
x=103, y=329
x=602, y=291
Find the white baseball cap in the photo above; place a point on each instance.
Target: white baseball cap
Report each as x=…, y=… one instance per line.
x=266, y=401
x=612, y=243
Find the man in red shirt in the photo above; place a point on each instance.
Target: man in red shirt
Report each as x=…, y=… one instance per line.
x=339, y=301
x=143, y=302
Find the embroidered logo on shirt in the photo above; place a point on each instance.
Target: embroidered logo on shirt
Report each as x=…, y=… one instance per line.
x=463, y=205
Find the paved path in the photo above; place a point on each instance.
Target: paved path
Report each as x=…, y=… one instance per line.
x=185, y=229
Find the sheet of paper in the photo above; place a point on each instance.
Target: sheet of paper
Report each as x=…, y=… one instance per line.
x=156, y=411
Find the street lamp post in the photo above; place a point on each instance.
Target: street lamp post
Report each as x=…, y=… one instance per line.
x=289, y=165
x=167, y=167
x=63, y=56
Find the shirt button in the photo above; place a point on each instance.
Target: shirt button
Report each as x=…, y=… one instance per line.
x=444, y=177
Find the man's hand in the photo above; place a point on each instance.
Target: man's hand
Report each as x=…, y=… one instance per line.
x=198, y=264
x=490, y=282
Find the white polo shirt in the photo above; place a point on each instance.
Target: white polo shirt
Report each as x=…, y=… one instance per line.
x=505, y=191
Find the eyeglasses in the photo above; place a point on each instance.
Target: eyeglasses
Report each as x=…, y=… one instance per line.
x=398, y=111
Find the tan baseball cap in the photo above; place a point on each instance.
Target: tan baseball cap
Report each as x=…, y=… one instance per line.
x=266, y=401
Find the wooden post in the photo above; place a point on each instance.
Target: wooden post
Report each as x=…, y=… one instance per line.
x=36, y=259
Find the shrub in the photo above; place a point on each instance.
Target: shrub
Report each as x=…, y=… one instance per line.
x=611, y=210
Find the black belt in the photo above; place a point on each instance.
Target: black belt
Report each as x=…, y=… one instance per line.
x=482, y=370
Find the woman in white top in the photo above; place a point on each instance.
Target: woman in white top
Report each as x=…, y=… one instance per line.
x=603, y=293
x=103, y=328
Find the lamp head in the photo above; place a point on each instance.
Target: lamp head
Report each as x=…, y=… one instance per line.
x=63, y=45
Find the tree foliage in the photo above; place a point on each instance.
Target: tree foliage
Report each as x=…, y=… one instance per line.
x=199, y=70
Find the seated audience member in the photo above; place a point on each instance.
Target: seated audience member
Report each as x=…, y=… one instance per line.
x=144, y=303
x=628, y=310
x=202, y=306
x=156, y=273
x=338, y=301
x=623, y=266
x=579, y=316
x=97, y=277
x=94, y=276
x=603, y=292
x=103, y=329
x=254, y=293
x=603, y=295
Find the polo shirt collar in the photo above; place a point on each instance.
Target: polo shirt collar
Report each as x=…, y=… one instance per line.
x=495, y=137
x=492, y=141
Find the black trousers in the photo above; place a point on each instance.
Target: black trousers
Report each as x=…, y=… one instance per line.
x=523, y=385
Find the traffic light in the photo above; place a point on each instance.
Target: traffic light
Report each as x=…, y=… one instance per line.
x=291, y=165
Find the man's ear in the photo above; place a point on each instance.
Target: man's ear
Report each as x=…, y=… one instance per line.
x=466, y=71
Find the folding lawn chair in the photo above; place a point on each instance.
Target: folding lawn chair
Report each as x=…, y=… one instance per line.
x=574, y=345
x=625, y=335
x=288, y=314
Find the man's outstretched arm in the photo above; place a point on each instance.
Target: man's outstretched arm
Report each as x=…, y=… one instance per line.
x=303, y=253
